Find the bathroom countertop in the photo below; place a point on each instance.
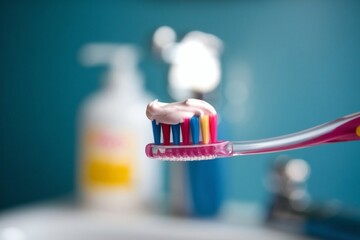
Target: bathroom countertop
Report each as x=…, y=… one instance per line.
x=55, y=221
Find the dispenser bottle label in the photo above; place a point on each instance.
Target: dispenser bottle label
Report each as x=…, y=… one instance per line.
x=108, y=158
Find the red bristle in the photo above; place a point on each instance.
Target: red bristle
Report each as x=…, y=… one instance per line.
x=213, y=128
x=185, y=131
x=166, y=133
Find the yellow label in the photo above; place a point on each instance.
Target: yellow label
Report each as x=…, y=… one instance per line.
x=104, y=171
x=108, y=159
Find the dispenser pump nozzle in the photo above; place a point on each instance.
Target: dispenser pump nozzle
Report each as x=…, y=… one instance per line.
x=122, y=60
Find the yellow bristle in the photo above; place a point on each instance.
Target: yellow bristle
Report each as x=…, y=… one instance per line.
x=205, y=132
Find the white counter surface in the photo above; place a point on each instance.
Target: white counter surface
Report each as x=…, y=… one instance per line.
x=66, y=222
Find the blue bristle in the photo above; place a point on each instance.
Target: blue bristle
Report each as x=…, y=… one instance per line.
x=156, y=132
x=195, y=129
x=175, y=129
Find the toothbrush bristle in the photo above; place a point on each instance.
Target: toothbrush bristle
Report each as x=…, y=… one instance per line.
x=166, y=133
x=175, y=129
x=185, y=131
x=195, y=129
x=156, y=132
x=213, y=128
x=204, y=123
x=188, y=132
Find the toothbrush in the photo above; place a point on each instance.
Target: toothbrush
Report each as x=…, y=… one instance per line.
x=343, y=129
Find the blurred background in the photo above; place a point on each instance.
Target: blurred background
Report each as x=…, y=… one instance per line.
x=285, y=66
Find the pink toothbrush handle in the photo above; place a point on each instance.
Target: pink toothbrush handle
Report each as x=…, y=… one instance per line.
x=343, y=129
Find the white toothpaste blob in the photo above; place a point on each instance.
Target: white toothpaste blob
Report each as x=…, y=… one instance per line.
x=176, y=112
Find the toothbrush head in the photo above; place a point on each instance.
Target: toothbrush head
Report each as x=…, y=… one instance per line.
x=193, y=139
x=189, y=152
x=183, y=130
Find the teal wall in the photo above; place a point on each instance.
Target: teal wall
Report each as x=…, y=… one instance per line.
x=303, y=58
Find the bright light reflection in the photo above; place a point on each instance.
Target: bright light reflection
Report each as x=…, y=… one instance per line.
x=164, y=36
x=194, y=67
x=297, y=170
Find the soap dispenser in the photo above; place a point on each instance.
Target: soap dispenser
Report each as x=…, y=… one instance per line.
x=113, y=171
